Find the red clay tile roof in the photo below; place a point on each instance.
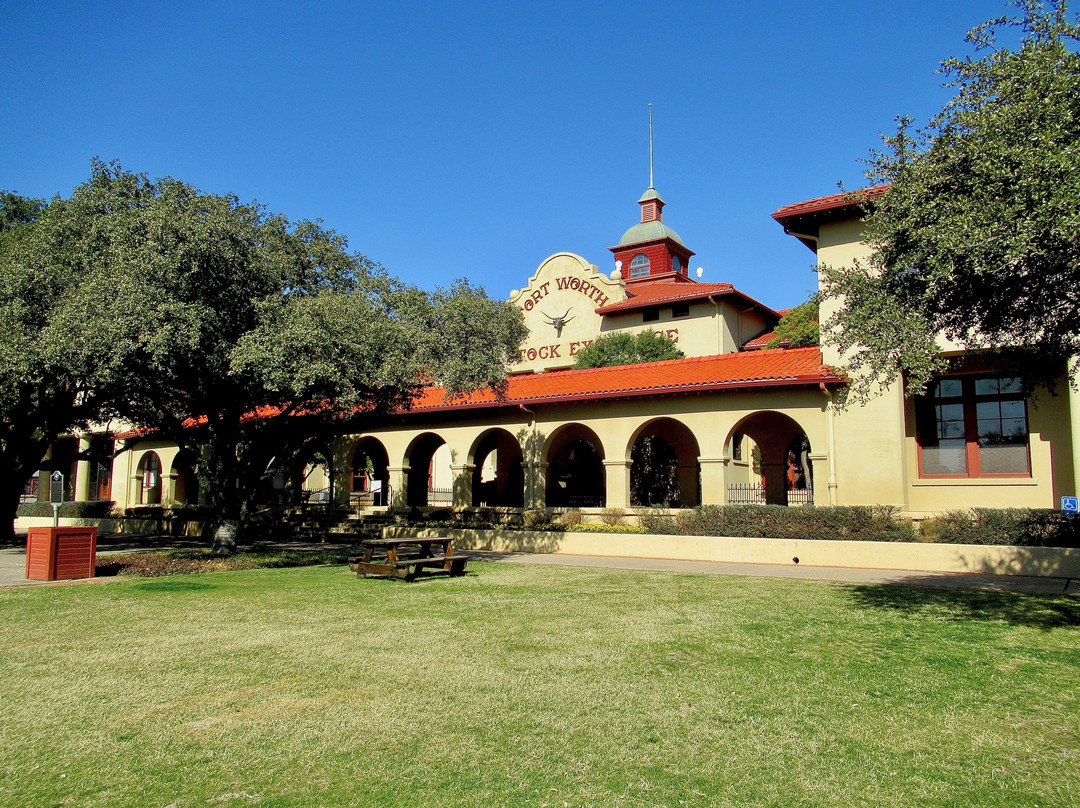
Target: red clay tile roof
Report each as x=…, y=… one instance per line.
x=828, y=204
x=757, y=343
x=257, y=414
x=736, y=371
x=652, y=294
x=796, y=366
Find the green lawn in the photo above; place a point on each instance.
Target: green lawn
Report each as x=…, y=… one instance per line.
x=534, y=686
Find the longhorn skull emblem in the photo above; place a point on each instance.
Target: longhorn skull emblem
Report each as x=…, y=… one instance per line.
x=558, y=322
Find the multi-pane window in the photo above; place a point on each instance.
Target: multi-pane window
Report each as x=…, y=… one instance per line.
x=639, y=265
x=973, y=426
x=149, y=480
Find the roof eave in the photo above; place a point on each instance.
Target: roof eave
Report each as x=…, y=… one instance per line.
x=711, y=387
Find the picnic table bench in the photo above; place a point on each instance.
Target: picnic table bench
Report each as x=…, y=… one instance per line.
x=405, y=558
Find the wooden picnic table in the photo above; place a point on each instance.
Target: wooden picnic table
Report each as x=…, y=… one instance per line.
x=405, y=558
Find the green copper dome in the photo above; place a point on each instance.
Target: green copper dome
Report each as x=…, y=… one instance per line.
x=649, y=231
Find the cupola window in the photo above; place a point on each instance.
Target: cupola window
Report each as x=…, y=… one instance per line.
x=639, y=265
x=676, y=264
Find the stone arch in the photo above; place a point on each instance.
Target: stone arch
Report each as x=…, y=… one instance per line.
x=429, y=480
x=575, y=468
x=664, y=467
x=777, y=435
x=498, y=470
x=148, y=480
x=314, y=473
x=185, y=481
x=369, y=474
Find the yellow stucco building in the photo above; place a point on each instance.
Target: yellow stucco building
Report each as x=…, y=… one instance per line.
x=731, y=422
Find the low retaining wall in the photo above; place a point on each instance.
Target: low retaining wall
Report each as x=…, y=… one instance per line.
x=128, y=525
x=1055, y=562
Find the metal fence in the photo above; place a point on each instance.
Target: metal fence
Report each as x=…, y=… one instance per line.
x=374, y=498
x=751, y=494
x=586, y=501
x=440, y=496
x=316, y=496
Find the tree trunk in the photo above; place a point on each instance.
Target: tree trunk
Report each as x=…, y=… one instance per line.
x=226, y=532
x=8, y=512
x=222, y=485
x=20, y=457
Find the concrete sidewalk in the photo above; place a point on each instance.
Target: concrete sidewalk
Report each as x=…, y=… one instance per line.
x=13, y=569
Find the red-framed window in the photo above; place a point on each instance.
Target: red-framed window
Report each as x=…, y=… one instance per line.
x=639, y=265
x=973, y=426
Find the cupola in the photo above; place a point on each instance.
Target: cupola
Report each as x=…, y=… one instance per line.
x=650, y=250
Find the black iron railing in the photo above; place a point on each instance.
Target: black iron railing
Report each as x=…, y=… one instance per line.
x=752, y=494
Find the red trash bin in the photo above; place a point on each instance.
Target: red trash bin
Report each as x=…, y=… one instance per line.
x=60, y=553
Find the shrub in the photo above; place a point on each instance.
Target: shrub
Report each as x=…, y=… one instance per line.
x=571, y=517
x=657, y=522
x=485, y=515
x=98, y=509
x=1023, y=527
x=612, y=517
x=34, y=509
x=441, y=515
x=853, y=523
x=536, y=518
x=579, y=528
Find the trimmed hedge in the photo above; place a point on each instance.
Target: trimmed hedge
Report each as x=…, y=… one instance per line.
x=99, y=509
x=850, y=523
x=1023, y=527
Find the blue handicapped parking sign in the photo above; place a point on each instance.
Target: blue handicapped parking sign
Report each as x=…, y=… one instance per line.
x=1070, y=505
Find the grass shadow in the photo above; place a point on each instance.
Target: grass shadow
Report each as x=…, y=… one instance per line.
x=174, y=585
x=1034, y=611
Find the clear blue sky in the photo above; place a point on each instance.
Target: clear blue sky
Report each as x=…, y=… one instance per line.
x=475, y=139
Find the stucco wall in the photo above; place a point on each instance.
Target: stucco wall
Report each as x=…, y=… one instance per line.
x=1041, y=561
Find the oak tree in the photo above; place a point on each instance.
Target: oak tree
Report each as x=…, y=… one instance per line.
x=977, y=237
x=624, y=348
x=241, y=335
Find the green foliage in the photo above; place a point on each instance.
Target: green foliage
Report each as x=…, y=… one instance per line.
x=604, y=527
x=850, y=523
x=975, y=238
x=158, y=303
x=654, y=478
x=36, y=509
x=624, y=348
x=98, y=509
x=572, y=516
x=798, y=328
x=612, y=517
x=17, y=210
x=1022, y=527
x=537, y=519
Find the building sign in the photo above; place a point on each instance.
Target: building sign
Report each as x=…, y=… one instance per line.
x=562, y=350
x=559, y=306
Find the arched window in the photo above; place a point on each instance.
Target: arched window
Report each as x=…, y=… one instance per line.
x=149, y=480
x=639, y=265
x=676, y=264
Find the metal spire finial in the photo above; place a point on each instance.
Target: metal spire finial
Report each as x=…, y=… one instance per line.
x=650, y=148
